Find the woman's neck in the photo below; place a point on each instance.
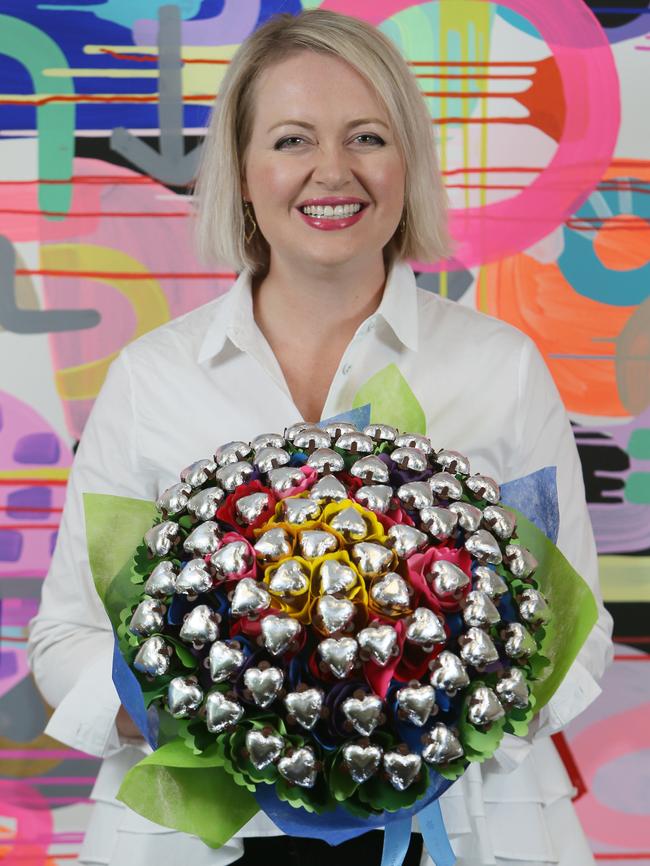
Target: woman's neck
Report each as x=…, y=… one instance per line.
x=322, y=302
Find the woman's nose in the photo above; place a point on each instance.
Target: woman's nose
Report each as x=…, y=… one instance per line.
x=332, y=165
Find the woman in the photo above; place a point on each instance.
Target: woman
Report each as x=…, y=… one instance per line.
x=318, y=181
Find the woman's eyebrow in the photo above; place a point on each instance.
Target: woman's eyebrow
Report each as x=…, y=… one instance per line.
x=349, y=125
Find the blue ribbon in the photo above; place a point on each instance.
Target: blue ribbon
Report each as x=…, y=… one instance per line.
x=435, y=836
x=397, y=836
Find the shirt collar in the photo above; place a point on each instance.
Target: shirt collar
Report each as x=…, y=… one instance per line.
x=234, y=318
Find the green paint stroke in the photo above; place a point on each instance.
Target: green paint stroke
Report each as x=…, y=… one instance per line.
x=639, y=444
x=637, y=488
x=391, y=401
x=55, y=121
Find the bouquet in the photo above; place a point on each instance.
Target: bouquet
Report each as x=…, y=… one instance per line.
x=328, y=624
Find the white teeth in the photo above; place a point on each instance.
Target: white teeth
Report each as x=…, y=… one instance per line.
x=327, y=211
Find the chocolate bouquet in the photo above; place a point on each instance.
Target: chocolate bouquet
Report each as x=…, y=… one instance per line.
x=328, y=625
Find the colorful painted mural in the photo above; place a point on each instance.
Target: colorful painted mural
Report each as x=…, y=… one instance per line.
x=543, y=131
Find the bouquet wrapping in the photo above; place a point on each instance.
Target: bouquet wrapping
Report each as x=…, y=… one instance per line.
x=330, y=624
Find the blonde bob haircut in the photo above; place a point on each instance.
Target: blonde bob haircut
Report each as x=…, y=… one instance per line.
x=220, y=223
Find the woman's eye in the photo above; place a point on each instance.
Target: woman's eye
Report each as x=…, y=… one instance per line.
x=280, y=145
x=375, y=138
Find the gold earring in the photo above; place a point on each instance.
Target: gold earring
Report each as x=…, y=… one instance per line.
x=402, y=225
x=249, y=216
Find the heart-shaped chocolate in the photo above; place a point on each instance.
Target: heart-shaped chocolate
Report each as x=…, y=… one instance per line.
x=416, y=703
x=273, y=544
x=452, y=461
x=289, y=578
x=350, y=524
x=479, y=610
x=438, y=521
x=328, y=489
x=268, y=440
x=335, y=614
x=298, y=509
x=203, y=540
x=279, y=633
x=161, y=538
x=512, y=689
x=425, y=628
x=378, y=643
x=299, y=767
x=372, y=559
x=391, y=594
x=221, y=713
x=153, y=657
x=484, y=547
x=174, y=498
x=371, y=470
x=533, y=607
x=469, y=516
x=441, y=745
x=355, y=442
x=362, y=761
x=225, y=661
x=232, y=452
x=200, y=626
x=489, y=582
x=148, y=617
x=364, y=714
x=233, y=475
x=263, y=748
x=448, y=673
x=405, y=540
x=499, y=521
x=161, y=583
x=250, y=508
x=264, y=684
x=311, y=438
x=446, y=486
x=204, y=503
x=376, y=497
x=415, y=494
x=194, y=578
x=520, y=561
x=519, y=643
x=231, y=560
x=339, y=654
x=477, y=648
x=270, y=457
x=484, y=487
x=325, y=460
x=184, y=697
x=284, y=478
x=316, y=542
x=414, y=440
x=411, y=459
x=249, y=597
x=305, y=706
x=484, y=707
x=197, y=473
x=336, y=577
x=447, y=579
x=381, y=432
x=402, y=770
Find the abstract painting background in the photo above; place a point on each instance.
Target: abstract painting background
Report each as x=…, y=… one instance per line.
x=543, y=133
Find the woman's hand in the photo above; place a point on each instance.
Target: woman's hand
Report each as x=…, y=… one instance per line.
x=125, y=725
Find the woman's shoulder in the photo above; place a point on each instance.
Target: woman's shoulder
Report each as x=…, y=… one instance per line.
x=179, y=338
x=452, y=319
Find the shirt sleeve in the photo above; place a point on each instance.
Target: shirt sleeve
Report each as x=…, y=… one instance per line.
x=545, y=438
x=70, y=645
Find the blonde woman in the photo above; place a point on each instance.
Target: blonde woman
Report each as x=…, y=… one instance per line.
x=318, y=182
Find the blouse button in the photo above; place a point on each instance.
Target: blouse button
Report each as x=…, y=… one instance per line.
x=346, y=369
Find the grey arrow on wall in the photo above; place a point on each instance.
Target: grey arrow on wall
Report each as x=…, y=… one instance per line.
x=20, y=321
x=171, y=164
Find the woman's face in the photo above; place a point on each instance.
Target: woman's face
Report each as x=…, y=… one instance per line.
x=321, y=136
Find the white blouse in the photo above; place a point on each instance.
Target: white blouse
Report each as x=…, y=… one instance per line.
x=209, y=377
